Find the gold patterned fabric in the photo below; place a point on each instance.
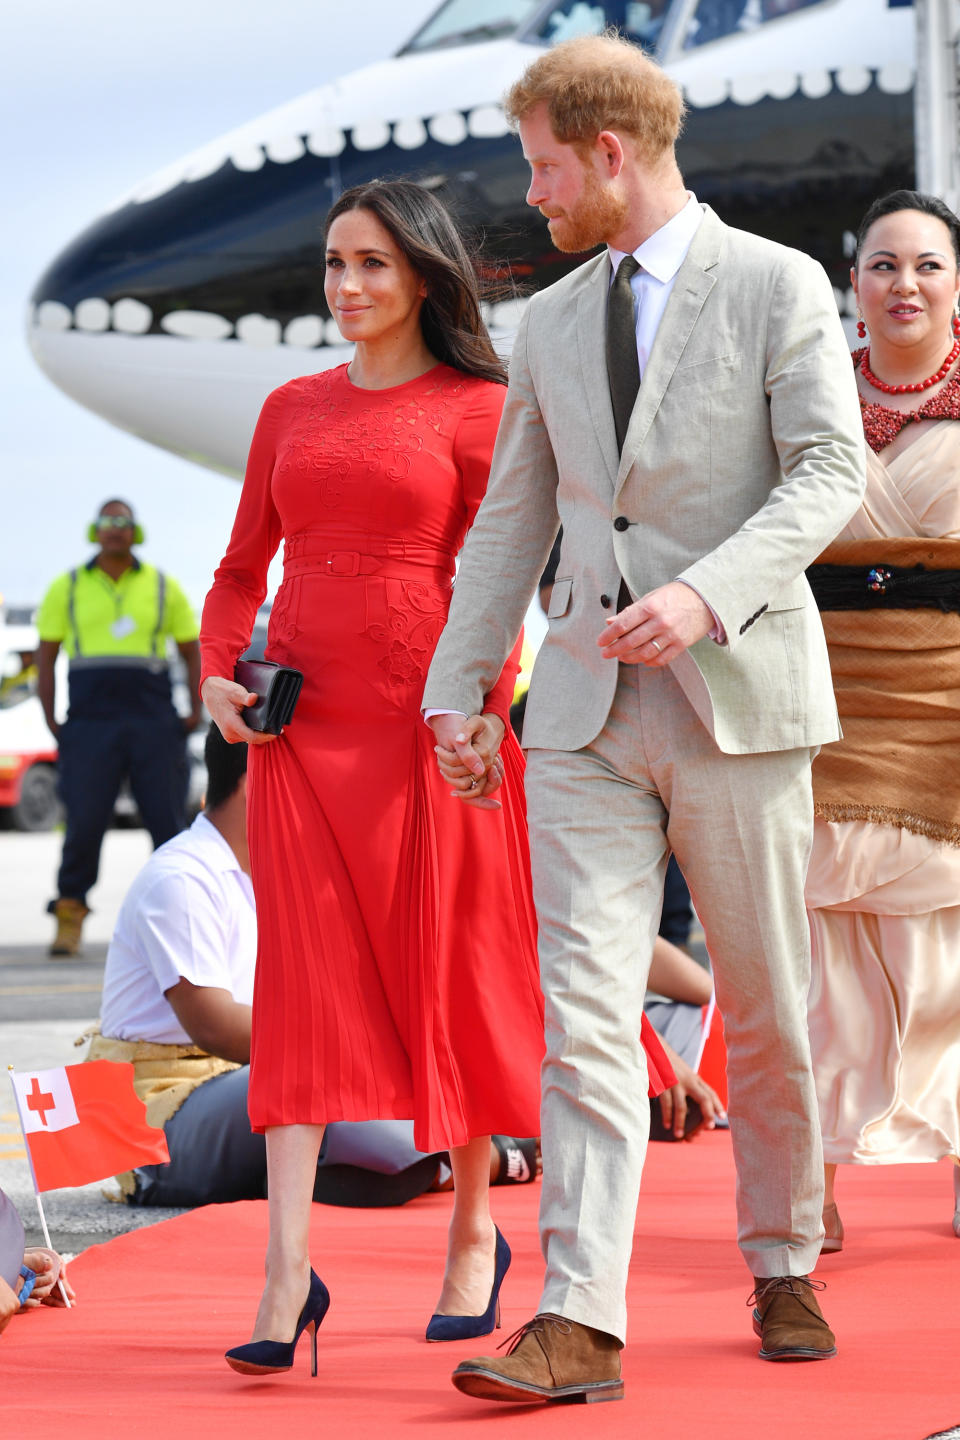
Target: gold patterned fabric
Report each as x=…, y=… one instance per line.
x=896, y=675
x=164, y=1076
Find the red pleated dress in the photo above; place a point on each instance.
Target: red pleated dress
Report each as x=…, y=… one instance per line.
x=396, y=967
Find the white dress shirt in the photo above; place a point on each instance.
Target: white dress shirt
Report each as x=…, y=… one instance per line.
x=189, y=914
x=659, y=257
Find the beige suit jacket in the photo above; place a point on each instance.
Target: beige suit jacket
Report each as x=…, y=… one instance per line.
x=743, y=459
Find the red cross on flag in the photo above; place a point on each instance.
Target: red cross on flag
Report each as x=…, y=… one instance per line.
x=84, y=1122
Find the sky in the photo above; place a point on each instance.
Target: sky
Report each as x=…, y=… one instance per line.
x=96, y=97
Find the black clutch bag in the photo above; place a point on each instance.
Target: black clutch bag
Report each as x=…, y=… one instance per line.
x=276, y=688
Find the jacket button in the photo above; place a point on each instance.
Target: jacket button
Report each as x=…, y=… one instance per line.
x=605, y=601
x=621, y=523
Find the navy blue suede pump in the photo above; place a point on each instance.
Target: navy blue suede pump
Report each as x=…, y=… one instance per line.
x=469, y=1327
x=268, y=1357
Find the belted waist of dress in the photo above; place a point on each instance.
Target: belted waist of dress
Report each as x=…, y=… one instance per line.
x=341, y=557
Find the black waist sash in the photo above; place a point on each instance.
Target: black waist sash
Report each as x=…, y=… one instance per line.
x=895, y=587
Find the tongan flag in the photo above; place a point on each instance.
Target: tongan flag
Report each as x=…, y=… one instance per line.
x=84, y=1122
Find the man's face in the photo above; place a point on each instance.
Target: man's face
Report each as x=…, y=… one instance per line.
x=115, y=539
x=583, y=207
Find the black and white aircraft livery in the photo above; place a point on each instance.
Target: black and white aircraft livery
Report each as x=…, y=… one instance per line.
x=176, y=312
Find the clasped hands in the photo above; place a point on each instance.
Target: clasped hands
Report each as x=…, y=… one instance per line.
x=658, y=627
x=467, y=752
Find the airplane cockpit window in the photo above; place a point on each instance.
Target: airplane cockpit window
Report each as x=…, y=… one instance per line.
x=639, y=20
x=714, y=19
x=462, y=22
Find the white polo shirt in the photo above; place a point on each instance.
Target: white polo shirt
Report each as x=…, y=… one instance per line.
x=189, y=914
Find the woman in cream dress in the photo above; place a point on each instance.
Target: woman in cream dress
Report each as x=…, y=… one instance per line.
x=883, y=889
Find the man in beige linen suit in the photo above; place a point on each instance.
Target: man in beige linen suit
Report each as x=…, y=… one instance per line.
x=688, y=719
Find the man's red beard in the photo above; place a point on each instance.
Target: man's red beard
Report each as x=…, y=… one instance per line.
x=598, y=215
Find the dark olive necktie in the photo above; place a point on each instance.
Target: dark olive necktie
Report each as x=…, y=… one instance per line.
x=623, y=366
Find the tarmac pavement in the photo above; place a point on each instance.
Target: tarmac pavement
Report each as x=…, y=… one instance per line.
x=45, y=1005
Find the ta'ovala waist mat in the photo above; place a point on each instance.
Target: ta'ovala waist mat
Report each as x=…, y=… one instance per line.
x=896, y=674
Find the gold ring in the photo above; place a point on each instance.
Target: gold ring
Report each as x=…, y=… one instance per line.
x=474, y=782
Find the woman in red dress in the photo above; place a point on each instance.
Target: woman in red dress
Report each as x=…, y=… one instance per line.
x=396, y=972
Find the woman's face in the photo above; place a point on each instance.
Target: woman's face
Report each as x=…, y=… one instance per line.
x=373, y=291
x=907, y=281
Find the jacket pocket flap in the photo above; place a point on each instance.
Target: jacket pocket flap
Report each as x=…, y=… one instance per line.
x=794, y=597
x=560, y=598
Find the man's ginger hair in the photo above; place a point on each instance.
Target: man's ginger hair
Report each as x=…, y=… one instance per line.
x=601, y=82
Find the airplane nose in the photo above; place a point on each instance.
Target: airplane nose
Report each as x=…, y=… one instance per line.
x=138, y=317
x=147, y=314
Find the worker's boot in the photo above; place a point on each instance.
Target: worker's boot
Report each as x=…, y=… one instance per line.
x=70, y=917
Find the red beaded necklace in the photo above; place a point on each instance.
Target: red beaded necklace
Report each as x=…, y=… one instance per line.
x=881, y=424
x=877, y=384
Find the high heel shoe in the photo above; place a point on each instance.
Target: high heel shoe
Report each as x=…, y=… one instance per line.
x=469, y=1327
x=833, y=1228
x=268, y=1357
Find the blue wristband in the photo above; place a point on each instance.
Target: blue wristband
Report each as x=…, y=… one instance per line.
x=29, y=1280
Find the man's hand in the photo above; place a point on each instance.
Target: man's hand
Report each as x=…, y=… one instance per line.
x=658, y=627
x=689, y=1086
x=226, y=701
x=467, y=754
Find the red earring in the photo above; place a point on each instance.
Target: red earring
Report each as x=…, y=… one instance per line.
x=861, y=328
x=956, y=324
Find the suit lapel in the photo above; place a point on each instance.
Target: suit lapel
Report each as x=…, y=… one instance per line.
x=695, y=279
x=592, y=344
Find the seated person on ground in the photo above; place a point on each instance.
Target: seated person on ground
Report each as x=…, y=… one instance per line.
x=177, y=994
x=677, y=991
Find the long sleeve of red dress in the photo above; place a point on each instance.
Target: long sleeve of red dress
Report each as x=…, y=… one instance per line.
x=240, y=582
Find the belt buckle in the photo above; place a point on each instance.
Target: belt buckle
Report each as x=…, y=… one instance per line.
x=343, y=563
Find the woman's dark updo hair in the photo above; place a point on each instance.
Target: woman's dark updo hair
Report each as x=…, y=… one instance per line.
x=427, y=236
x=899, y=200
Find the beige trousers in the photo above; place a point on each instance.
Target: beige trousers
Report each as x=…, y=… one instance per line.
x=601, y=822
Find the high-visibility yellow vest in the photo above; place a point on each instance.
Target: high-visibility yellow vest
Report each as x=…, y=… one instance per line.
x=99, y=620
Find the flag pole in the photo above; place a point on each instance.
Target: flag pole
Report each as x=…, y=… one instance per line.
x=33, y=1177
x=705, y=1030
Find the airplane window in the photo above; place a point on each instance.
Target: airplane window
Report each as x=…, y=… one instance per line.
x=715, y=18
x=461, y=21
x=640, y=20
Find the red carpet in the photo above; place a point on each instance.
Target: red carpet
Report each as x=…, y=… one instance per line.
x=141, y=1354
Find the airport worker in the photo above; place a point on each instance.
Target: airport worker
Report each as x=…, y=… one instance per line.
x=683, y=403
x=114, y=616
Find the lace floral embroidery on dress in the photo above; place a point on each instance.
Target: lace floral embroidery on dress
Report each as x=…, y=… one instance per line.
x=337, y=451
x=411, y=632
x=283, y=628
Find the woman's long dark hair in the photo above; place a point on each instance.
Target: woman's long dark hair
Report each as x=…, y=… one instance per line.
x=426, y=234
x=899, y=200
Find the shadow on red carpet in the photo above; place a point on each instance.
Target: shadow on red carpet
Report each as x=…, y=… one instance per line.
x=141, y=1355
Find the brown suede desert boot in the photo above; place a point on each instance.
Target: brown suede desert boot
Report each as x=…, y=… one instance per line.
x=550, y=1359
x=788, y=1320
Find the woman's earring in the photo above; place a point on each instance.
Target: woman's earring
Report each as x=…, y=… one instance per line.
x=956, y=324
x=861, y=327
